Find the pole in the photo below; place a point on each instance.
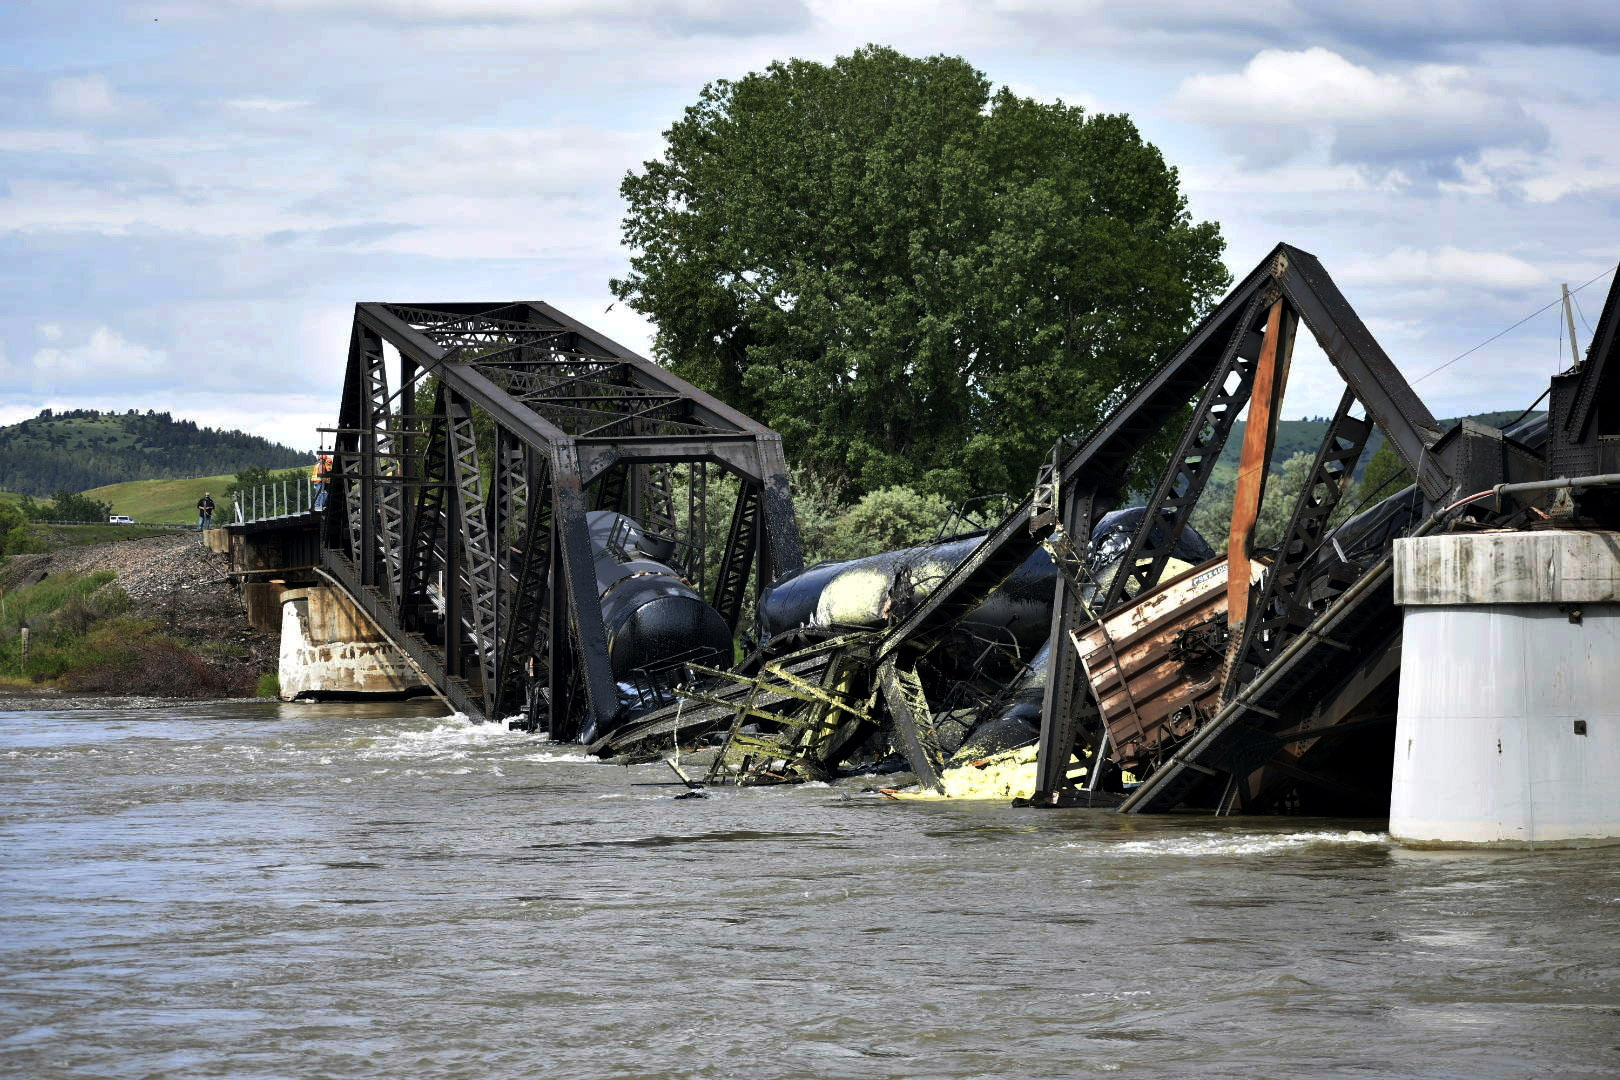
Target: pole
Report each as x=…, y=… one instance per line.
x=1569, y=319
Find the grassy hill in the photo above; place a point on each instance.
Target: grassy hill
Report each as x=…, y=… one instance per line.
x=1304, y=436
x=81, y=449
x=164, y=501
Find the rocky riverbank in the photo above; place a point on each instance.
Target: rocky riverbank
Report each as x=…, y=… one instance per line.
x=178, y=585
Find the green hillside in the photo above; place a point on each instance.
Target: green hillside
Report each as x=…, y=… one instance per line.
x=164, y=501
x=1304, y=436
x=79, y=449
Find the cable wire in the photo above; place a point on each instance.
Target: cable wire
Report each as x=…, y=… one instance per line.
x=1515, y=326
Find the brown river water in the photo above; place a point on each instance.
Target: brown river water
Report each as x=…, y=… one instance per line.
x=262, y=890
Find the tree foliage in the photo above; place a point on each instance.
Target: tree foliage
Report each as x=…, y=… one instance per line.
x=881, y=520
x=14, y=535
x=1384, y=475
x=65, y=506
x=254, y=476
x=916, y=281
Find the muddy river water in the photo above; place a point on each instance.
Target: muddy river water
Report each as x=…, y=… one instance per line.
x=261, y=890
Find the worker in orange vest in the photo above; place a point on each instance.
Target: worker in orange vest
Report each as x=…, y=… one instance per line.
x=320, y=474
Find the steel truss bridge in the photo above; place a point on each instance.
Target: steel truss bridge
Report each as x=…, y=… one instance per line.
x=472, y=440
x=1318, y=633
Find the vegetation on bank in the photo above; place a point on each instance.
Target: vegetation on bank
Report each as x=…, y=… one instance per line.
x=83, y=638
x=65, y=506
x=21, y=536
x=52, y=537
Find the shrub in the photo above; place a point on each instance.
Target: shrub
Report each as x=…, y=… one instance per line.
x=157, y=667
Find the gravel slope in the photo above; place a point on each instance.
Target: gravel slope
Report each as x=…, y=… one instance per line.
x=173, y=579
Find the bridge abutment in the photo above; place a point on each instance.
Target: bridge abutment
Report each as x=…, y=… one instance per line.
x=1509, y=726
x=329, y=649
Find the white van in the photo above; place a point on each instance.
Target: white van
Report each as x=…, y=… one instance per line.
x=120, y=519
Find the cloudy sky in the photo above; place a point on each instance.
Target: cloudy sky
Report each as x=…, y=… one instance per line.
x=193, y=195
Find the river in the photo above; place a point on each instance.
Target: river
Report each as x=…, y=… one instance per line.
x=262, y=890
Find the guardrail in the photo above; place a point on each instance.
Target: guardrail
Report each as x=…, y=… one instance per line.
x=132, y=524
x=283, y=499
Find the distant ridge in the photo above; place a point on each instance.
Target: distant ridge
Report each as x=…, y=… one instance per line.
x=78, y=449
x=1304, y=436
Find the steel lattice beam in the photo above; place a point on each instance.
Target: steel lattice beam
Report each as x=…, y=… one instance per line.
x=536, y=419
x=1212, y=371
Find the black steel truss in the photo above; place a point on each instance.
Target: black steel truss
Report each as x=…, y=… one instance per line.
x=1213, y=371
x=1281, y=607
x=464, y=521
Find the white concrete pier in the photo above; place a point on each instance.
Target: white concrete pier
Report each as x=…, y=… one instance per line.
x=1509, y=725
x=330, y=649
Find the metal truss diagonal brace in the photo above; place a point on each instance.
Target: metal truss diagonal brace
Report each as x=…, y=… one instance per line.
x=584, y=606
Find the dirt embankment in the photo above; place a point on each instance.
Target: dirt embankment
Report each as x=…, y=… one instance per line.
x=178, y=583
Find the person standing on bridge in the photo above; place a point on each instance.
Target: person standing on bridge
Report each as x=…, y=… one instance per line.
x=320, y=474
x=205, y=511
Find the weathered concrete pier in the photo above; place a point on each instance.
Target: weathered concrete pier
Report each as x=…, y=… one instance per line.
x=330, y=648
x=1509, y=725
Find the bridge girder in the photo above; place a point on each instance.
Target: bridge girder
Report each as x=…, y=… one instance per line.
x=1208, y=380
x=462, y=526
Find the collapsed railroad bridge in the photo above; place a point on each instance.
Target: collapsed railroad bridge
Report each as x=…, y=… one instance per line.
x=537, y=546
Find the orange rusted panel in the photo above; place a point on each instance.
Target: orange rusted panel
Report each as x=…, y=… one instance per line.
x=1155, y=665
x=1259, y=434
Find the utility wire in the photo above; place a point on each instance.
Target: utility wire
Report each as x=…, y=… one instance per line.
x=1515, y=326
x=1581, y=313
x=1528, y=411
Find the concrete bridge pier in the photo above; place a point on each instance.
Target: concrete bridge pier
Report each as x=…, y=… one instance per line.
x=330, y=650
x=1508, y=732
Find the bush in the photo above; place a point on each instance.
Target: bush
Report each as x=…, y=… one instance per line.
x=155, y=666
x=81, y=635
x=66, y=506
x=889, y=518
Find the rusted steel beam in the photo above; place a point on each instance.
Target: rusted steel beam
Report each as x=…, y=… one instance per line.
x=1270, y=381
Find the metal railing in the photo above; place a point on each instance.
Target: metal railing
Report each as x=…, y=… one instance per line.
x=282, y=499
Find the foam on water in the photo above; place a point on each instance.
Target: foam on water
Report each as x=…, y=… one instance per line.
x=1226, y=844
x=451, y=738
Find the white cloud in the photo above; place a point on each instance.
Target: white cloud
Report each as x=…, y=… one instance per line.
x=1285, y=104
x=46, y=142
x=1388, y=27
x=265, y=104
x=740, y=17
x=1414, y=26
x=101, y=359
x=1446, y=267
x=88, y=99
x=499, y=192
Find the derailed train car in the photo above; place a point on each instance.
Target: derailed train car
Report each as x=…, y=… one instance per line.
x=984, y=683
x=1261, y=681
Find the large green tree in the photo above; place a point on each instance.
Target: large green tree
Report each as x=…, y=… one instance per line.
x=916, y=281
